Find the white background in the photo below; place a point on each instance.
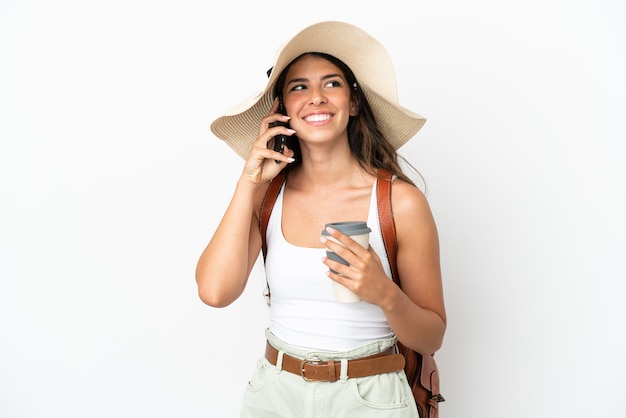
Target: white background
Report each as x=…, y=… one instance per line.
x=111, y=184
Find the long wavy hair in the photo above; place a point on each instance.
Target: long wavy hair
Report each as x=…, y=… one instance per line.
x=367, y=143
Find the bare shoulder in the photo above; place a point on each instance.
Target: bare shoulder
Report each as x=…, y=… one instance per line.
x=415, y=223
x=409, y=203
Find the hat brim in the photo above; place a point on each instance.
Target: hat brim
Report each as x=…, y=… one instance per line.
x=371, y=64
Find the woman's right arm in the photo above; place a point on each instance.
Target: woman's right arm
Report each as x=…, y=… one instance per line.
x=225, y=264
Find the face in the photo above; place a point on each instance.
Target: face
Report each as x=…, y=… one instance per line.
x=317, y=97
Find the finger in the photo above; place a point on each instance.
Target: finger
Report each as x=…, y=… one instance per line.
x=336, y=270
x=287, y=156
x=347, y=241
x=275, y=105
x=272, y=118
x=266, y=135
x=337, y=255
x=261, y=153
x=275, y=124
x=346, y=275
x=337, y=248
x=289, y=152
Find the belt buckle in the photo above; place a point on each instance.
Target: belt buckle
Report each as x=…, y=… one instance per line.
x=310, y=360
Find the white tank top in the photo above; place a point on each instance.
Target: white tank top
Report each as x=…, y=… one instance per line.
x=303, y=310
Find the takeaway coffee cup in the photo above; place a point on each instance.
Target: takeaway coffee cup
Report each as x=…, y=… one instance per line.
x=358, y=231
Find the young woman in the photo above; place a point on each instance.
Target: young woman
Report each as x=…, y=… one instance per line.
x=336, y=87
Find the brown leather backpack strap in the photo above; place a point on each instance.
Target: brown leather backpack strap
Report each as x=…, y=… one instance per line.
x=385, y=218
x=421, y=371
x=268, y=204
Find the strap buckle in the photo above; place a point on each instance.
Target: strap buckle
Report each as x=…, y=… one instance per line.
x=313, y=361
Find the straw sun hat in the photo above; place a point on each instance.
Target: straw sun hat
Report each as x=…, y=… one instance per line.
x=368, y=60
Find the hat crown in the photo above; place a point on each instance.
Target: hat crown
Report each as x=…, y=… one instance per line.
x=367, y=58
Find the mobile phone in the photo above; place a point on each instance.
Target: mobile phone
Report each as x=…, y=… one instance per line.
x=280, y=140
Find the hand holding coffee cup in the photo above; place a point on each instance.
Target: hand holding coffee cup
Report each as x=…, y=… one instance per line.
x=358, y=231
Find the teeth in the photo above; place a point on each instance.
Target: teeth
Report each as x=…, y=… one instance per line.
x=317, y=118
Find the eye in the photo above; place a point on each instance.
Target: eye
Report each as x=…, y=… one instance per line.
x=296, y=87
x=333, y=83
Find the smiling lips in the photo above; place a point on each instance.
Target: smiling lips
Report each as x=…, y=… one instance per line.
x=318, y=118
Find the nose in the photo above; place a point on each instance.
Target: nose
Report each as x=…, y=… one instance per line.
x=317, y=96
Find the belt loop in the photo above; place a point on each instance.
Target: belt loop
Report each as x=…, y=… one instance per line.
x=343, y=376
x=279, y=361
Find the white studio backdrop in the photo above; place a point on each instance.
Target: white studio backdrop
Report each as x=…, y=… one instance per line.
x=111, y=184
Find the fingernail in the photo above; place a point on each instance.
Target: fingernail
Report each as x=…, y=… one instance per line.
x=323, y=239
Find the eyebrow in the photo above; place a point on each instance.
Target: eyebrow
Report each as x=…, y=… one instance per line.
x=304, y=80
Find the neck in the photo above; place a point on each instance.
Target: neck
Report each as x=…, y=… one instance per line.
x=327, y=170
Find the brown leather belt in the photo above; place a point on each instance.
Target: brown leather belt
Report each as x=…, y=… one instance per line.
x=330, y=371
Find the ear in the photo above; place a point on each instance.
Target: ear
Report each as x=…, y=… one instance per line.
x=353, y=108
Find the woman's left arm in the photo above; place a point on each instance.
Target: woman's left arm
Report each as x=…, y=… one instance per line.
x=416, y=313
